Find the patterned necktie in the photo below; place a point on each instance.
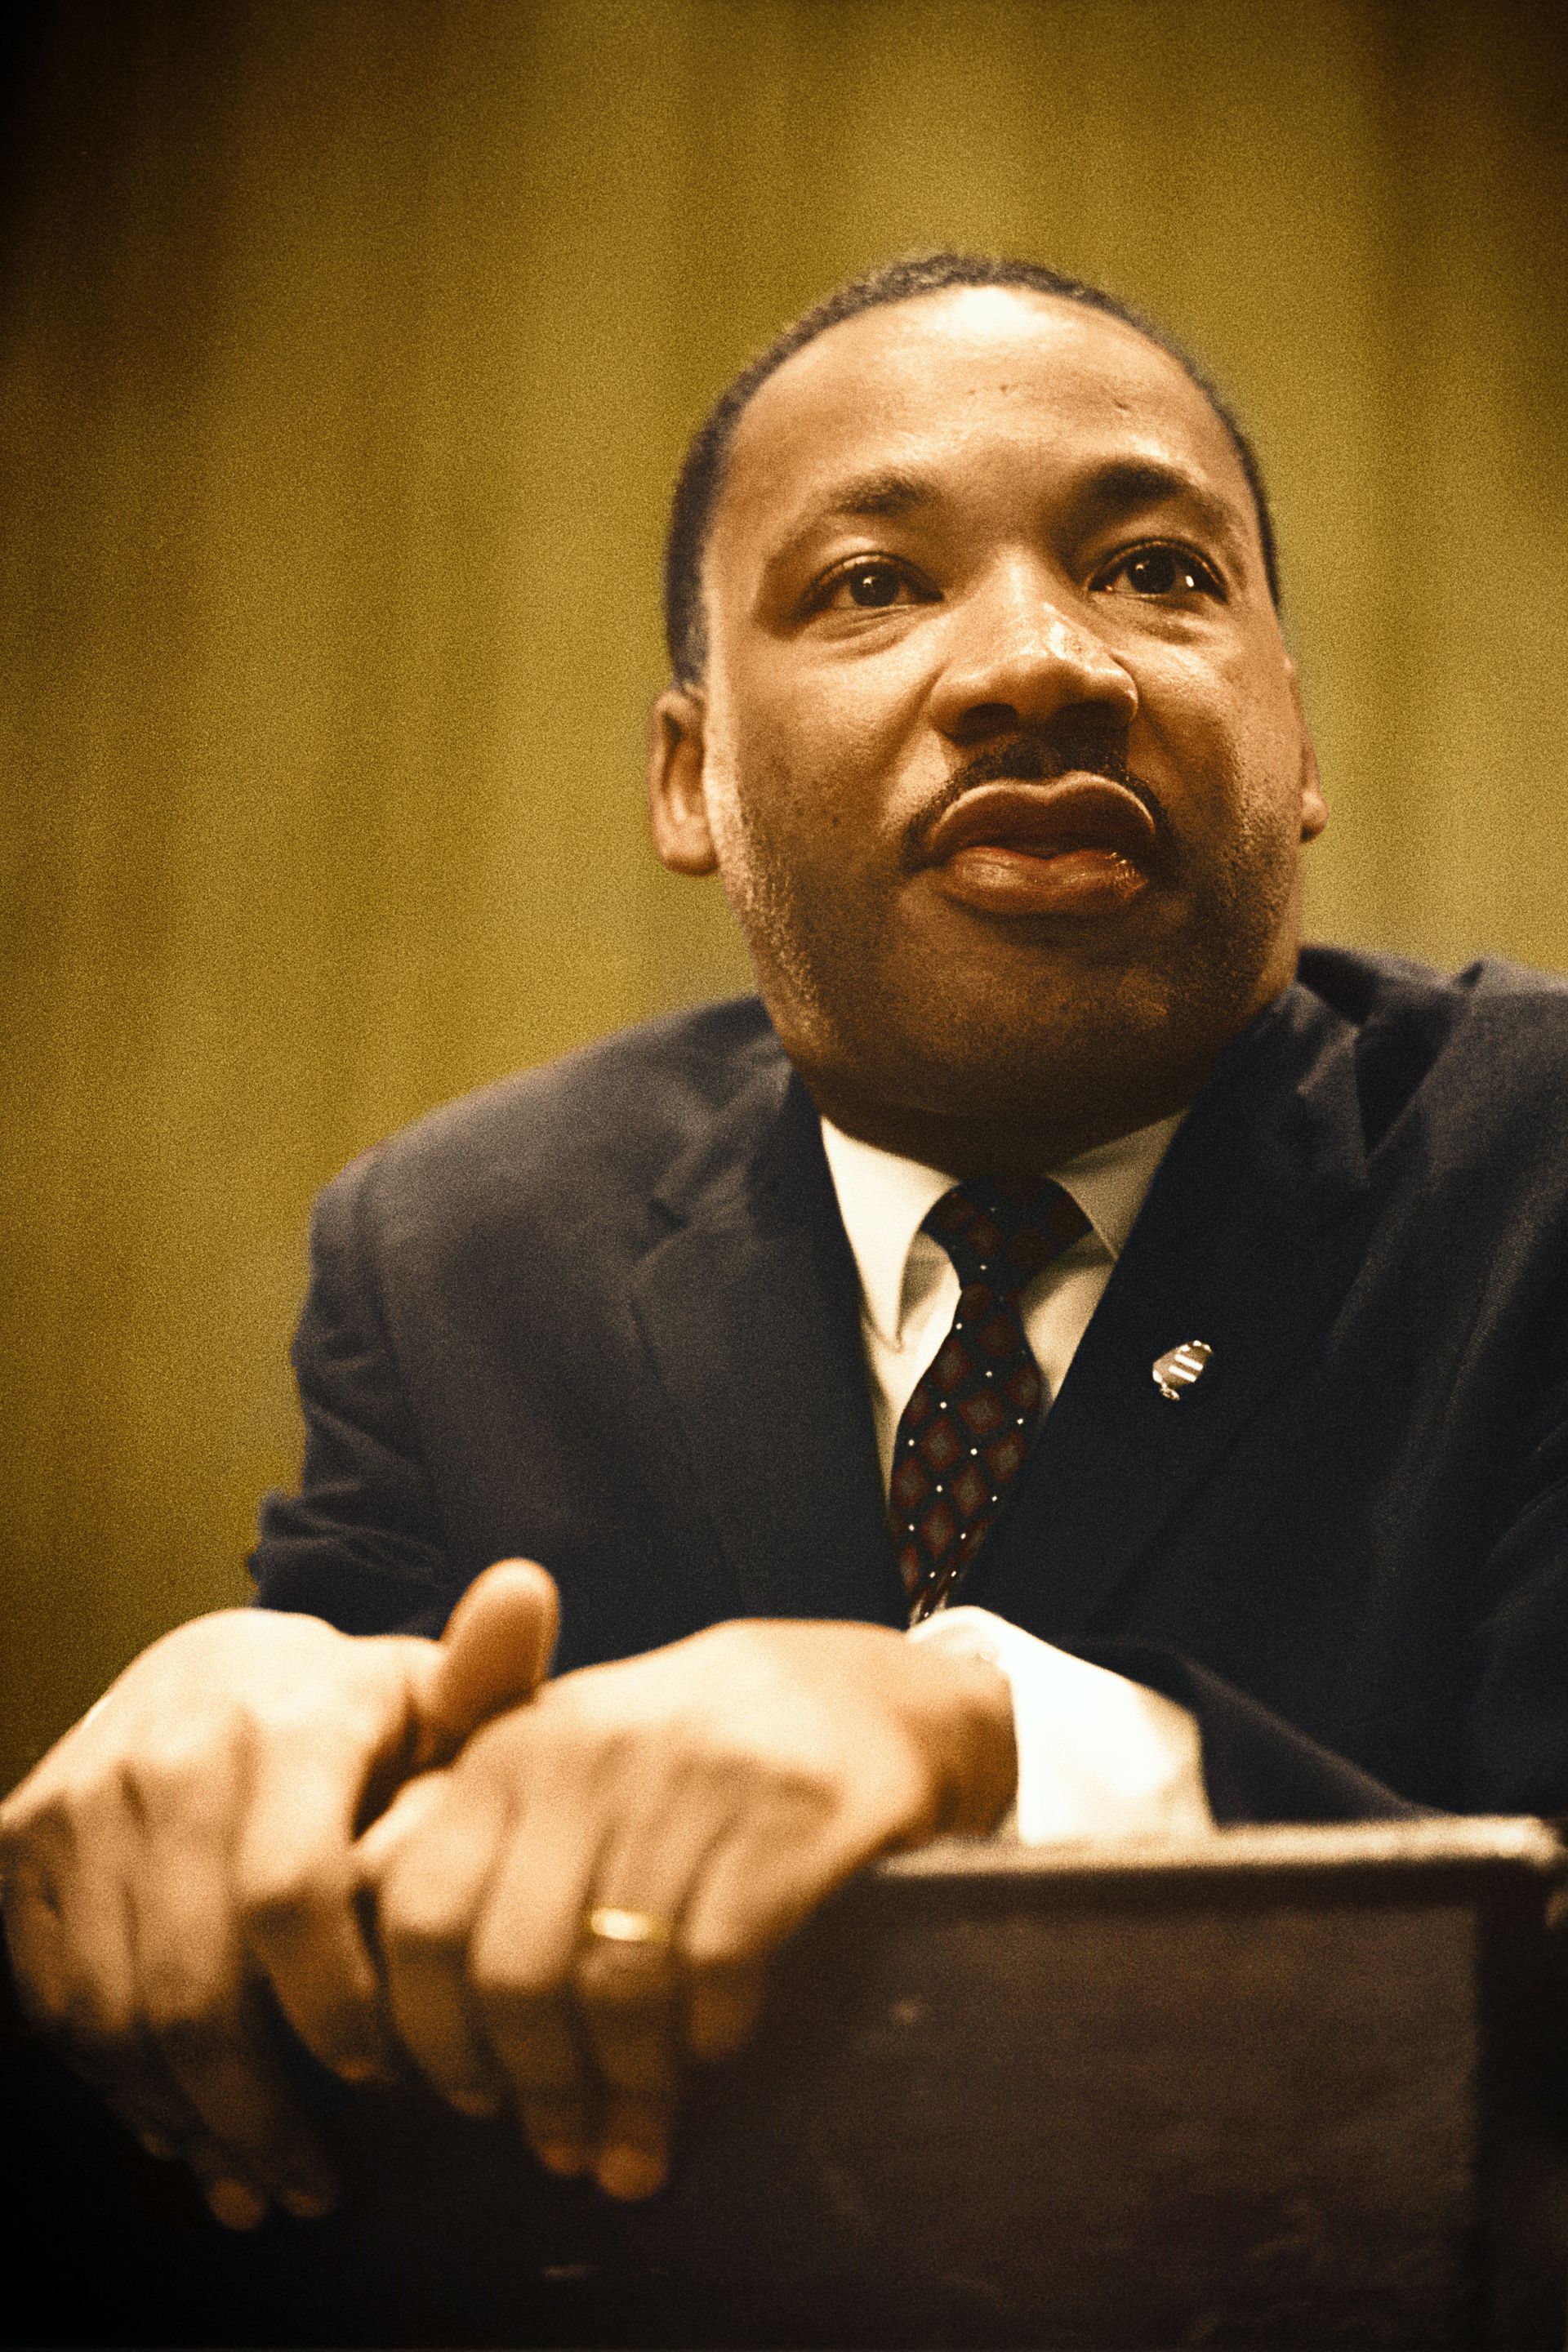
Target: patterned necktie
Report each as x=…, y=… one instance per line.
x=966, y=1433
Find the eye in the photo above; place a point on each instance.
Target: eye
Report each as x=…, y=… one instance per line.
x=1160, y=570
x=869, y=585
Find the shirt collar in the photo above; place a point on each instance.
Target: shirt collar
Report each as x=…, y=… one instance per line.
x=883, y=1198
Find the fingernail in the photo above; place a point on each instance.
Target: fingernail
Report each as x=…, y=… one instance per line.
x=365, y=2069
x=234, y=2204
x=308, y=2204
x=629, y=2173
x=559, y=2155
x=474, y=2099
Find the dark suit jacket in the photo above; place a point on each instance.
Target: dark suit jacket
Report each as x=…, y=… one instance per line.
x=605, y=1315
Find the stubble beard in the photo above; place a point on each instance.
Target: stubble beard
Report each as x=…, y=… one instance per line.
x=1101, y=1044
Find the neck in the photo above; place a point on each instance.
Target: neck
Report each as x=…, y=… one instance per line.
x=1027, y=1104
x=1001, y=1143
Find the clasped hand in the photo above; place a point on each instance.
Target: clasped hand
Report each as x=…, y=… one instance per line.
x=716, y=1791
x=184, y=1870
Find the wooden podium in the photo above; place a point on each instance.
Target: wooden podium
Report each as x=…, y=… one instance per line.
x=1280, y=2088
x=1273, y=2087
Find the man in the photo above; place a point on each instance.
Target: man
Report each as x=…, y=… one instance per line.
x=746, y=1324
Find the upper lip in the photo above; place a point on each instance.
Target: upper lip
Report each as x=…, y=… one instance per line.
x=1072, y=813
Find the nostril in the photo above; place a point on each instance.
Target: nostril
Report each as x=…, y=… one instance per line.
x=984, y=718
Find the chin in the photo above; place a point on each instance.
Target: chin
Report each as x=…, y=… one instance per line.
x=1055, y=1068
x=916, y=1030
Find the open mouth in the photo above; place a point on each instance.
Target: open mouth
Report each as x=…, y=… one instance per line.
x=1078, y=846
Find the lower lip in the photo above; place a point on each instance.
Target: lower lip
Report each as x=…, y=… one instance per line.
x=1016, y=882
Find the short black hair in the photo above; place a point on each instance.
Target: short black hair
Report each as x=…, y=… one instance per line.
x=703, y=470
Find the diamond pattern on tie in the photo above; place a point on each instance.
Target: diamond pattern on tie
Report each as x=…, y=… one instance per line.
x=965, y=1432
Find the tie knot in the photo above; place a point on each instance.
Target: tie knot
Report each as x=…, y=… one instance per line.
x=1003, y=1233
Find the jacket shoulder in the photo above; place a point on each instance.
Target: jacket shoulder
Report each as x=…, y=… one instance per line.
x=1490, y=1041
x=1364, y=987
x=602, y=1121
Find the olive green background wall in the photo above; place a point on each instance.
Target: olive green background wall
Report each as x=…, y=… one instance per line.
x=347, y=351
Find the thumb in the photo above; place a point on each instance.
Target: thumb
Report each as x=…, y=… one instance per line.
x=494, y=1654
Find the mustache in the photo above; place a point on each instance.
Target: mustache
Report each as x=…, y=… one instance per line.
x=1035, y=756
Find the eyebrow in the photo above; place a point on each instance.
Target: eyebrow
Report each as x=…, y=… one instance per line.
x=1117, y=487
x=887, y=494
x=1122, y=486
x=883, y=496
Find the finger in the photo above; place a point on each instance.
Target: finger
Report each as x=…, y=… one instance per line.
x=101, y=2034
x=33, y=1939
x=67, y=1922
x=557, y=2098
x=630, y=1996
x=630, y=1987
x=230, y=2066
x=432, y=1868
x=236, y=2202
x=295, y=1882
x=139, y=2089
x=376, y=1850
x=518, y=1973
x=723, y=2003
x=219, y=2041
x=494, y=1654
x=74, y=1966
x=776, y=1866
x=231, y=2202
x=759, y=1884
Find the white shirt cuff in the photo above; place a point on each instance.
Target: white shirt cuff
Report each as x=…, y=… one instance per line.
x=1099, y=1757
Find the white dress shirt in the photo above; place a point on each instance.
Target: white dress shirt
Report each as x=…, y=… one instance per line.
x=1098, y=1755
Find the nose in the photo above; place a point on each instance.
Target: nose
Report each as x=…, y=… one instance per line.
x=1019, y=659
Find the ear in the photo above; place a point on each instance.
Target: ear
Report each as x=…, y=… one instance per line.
x=1314, y=807
x=677, y=804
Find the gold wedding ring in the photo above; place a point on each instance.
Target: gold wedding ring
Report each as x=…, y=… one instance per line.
x=644, y=1929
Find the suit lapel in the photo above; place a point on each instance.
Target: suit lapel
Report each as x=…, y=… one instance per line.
x=748, y=1309
x=1248, y=1239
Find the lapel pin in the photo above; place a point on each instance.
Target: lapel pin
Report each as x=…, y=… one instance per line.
x=1179, y=1368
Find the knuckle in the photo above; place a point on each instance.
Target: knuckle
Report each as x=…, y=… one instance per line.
x=418, y=1925
x=345, y=2030
x=805, y=1796
x=191, y=2037
x=179, y=2008
x=620, y=1986
x=642, y=2070
x=19, y=1816
x=286, y=1898
x=41, y=2002
x=266, y=2138
x=554, y=2117
x=143, y=2119
x=42, y=1836
x=174, y=1753
x=513, y=2001
x=324, y=1716
x=97, y=2036
x=641, y=2116
x=173, y=1765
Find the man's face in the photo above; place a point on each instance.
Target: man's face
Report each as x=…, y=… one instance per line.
x=999, y=754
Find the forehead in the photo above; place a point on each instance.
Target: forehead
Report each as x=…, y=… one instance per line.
x=1046, y=383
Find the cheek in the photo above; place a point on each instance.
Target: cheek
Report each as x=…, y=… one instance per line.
x=1229, y=725
x=806, y=771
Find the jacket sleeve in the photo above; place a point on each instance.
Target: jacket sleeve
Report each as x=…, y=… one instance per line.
x=361, y=1544
x=1504, y=1741
x=1256, y=1767
x=1516, y=1756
